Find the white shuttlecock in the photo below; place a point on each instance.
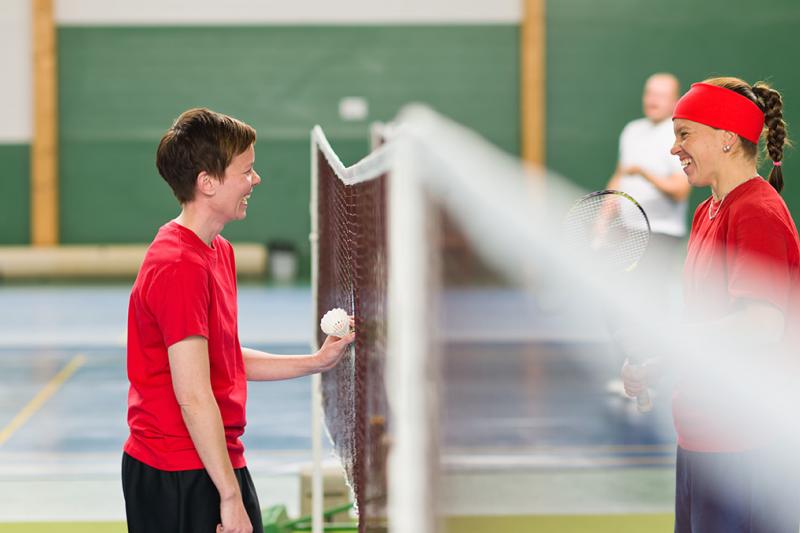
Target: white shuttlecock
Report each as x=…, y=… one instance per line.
x=336, y=322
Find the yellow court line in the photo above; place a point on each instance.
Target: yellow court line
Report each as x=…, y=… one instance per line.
x=39, y=400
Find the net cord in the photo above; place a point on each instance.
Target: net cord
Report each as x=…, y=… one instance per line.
x=373, y=165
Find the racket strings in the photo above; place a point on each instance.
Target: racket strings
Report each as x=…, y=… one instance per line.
x=611, y=226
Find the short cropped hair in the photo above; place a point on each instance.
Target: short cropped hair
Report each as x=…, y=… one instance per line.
x=200, y=140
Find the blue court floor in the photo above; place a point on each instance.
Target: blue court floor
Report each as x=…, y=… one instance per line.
x=530, y=424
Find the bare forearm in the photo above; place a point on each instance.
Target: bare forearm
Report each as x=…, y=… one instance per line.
x=675, y=186
x=202, y=418
x=191, y=381
x=723, y=341
x=263, y=366
x=703, y=346
x=757, y=324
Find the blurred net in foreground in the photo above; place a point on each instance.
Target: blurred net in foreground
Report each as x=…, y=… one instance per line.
x=512, y=370
x=480, y=377
x=484, y=378
x=499, y=393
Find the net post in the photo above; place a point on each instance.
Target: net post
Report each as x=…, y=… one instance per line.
x=316, y=396
x=411, y=361
x=317, y=495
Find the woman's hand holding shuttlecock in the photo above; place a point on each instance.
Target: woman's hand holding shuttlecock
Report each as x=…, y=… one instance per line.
x=338, y=326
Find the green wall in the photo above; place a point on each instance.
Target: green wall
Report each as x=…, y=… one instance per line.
x=121, y=87
x=600, y=53
x=14, y=194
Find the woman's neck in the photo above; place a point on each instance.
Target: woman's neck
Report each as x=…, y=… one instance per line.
x=203, y=226
x=730, y=177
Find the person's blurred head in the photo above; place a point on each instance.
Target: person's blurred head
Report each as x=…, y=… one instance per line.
x=661, y=92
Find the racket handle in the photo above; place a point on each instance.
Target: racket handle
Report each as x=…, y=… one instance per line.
x=643, y=402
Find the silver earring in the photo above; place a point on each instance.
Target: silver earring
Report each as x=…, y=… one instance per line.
x=726, y=148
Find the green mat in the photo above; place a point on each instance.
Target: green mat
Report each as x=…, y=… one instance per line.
x=639, y=523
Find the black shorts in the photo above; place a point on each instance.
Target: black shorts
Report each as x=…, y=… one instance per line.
x=158, y=501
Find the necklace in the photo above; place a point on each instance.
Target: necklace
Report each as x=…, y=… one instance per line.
x=711, y=206
x=719, y=205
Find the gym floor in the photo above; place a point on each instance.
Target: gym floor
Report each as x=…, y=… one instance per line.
x=521, y=448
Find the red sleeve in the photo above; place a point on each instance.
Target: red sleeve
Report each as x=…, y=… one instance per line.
x=179, y=300
x=759, y=263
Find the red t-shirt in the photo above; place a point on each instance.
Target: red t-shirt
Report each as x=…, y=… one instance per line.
x=184, y=288
x=749, y=250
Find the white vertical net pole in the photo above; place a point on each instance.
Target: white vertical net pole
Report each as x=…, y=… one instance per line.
x=317, y=495
x=411, y=361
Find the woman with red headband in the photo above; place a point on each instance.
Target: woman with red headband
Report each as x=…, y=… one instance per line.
x=741, y=282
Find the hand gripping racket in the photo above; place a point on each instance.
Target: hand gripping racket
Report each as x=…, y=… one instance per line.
x=612, y=230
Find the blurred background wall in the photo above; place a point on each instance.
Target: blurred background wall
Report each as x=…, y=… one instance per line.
x=127, y=69
x=16, y=127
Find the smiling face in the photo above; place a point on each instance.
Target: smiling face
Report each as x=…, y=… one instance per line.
x=700, y=149
x=229, y=201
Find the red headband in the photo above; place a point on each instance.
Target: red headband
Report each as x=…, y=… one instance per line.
x=721, y=108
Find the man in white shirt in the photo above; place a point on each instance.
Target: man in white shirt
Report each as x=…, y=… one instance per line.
x=653, y=177
x=646, y=170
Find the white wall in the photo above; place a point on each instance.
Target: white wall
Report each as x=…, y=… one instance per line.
x=16, y=111
x=202, y=12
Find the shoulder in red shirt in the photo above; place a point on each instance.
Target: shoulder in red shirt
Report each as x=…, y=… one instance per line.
x=749, y=249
